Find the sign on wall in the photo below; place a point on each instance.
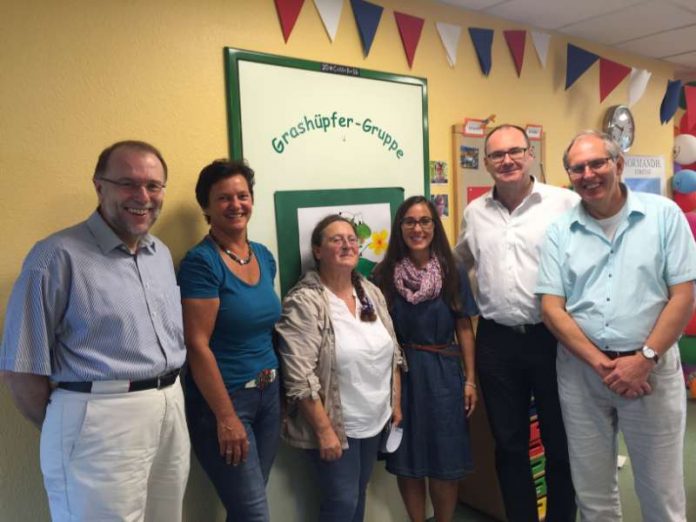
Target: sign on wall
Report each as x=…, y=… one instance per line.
x=306, y=125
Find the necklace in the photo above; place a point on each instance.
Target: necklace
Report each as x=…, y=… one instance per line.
x=233, y=256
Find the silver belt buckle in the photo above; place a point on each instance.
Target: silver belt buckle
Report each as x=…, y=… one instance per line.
x=519, y=328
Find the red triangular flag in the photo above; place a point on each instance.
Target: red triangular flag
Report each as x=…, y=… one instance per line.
x=684, y=126
x=288, y=11
x=515, y=41
x=611, y=74
x=690, y=97
x=410, y=28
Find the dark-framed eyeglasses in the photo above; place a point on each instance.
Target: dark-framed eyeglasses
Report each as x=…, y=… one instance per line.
x=426, y=223
x=515, y=154
x=578, y=170
x=129, y=185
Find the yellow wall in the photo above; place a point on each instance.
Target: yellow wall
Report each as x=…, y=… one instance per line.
x=78, y=75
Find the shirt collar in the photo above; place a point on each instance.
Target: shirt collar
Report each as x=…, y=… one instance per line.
x=106, y=238
x=634, y=206
x=534, y=194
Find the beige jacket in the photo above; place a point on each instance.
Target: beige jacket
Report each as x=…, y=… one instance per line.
x=307, y=349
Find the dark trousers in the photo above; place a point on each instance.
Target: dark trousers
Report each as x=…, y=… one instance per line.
x=511, y=367
x=343, y=482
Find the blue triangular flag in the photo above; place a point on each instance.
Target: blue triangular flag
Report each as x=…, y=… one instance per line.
x=483, y=41
x=579, y=60
x=367, y=17
x=671, y=100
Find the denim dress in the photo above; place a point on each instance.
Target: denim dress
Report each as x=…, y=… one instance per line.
x=436, y=435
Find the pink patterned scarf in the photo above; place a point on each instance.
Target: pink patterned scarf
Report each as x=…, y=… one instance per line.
x=418, y=285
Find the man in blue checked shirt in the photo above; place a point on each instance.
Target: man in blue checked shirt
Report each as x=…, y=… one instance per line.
x=617, y=283
x=92, y=348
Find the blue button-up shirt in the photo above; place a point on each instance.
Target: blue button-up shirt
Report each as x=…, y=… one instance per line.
x=616, y=289
x=85, y=309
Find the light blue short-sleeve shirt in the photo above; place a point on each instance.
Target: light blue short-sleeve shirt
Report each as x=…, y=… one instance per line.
x=616, y=289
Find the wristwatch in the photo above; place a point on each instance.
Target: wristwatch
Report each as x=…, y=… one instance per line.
x=649, y=353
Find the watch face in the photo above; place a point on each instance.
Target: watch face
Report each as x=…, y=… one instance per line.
x=620, y=126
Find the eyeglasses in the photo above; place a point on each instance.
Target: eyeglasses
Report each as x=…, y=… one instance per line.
x=515, y=153
x=578, y=170
x=425, y=222
x=128, y=185
x=338, y=240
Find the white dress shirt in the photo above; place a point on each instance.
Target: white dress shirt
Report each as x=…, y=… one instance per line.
x=503, y=248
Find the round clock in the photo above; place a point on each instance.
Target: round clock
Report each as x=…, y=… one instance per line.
x=619, y=124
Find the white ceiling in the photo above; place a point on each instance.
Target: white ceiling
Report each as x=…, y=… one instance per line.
x=661, y=29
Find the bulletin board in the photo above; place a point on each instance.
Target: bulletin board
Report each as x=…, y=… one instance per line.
x=304, y=125
x=471, y=179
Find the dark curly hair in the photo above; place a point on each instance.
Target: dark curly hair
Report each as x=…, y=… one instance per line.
x=217, y=170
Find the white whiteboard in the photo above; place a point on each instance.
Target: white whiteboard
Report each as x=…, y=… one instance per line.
x=304, y=125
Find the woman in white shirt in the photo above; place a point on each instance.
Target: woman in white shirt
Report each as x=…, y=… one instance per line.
x=339, y=359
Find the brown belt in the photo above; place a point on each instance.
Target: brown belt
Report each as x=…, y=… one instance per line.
x=439, y=349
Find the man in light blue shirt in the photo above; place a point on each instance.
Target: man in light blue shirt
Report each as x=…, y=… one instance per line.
x=617, y=283
x=92, y=348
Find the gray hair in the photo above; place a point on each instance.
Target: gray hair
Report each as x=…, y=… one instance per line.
x=610, y=145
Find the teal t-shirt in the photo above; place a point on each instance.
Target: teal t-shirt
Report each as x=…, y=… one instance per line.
x=242, y=339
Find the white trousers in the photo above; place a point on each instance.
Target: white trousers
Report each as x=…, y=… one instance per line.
x=653, y=427
x=115, y=457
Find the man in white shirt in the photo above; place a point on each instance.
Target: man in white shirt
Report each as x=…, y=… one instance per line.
x=501, y=235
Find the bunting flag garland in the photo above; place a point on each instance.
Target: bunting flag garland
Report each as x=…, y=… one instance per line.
x=483, y=42
x=670, y=102
x=579, y=60
x=515, y=41
x=367, y=16
x=449, y=34
x=330, y=13
x=410, y=28
x=288, y=11
x=690, y=97
x=637, y=84
x=541, y=44
x=611, y=74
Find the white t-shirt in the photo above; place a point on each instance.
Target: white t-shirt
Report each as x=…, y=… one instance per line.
x=611, y=224
x=364, y=352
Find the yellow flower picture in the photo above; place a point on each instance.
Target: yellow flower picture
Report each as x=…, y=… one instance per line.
x=378, y=242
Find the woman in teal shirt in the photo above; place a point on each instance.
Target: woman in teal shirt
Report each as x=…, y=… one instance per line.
x=230, y=308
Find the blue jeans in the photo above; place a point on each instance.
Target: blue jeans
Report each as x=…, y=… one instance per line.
x=343, y=482
x=242, y=488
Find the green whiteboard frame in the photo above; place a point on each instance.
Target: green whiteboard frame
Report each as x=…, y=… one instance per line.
x=233, y=56
x=289, y=201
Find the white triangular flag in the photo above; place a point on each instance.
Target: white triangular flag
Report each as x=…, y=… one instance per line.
x=330, y=13
x=637, y=83
x=541, y=44
x=449, y=34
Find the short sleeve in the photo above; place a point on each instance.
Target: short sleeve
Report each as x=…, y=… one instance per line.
x=680, y=248
x=466, y=296
x=267, y=259
x=34, y=311
x=198, y=277
x=550, y=279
